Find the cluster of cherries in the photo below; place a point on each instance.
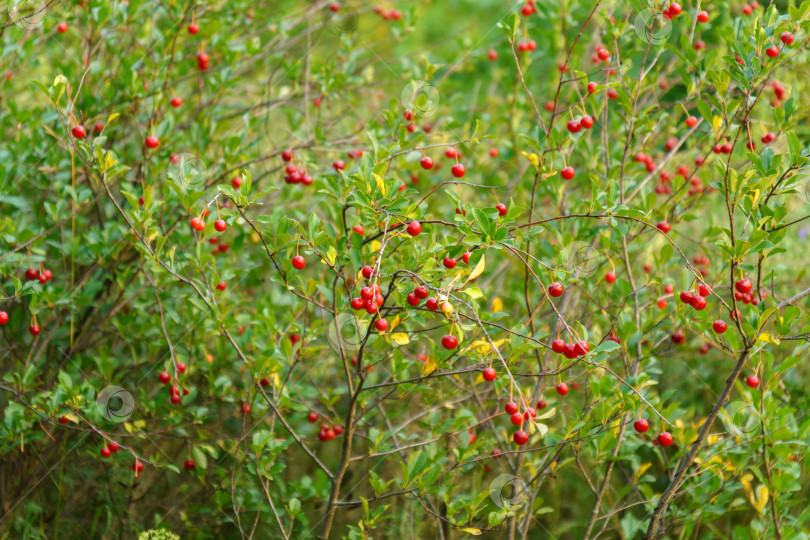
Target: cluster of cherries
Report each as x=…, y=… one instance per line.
x=388, y=14
x=327, y=432
x=294, y=174
x=528, y=8
x=569, y=350
x=743, y=292
x=174, y=390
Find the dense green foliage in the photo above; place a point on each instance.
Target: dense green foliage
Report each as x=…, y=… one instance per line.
x=157, y=374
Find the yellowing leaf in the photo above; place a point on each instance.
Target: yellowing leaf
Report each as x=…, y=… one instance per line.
x=429, y=366
x=112, y=117
x=400, y=338
x=643, y=469
x=474, y=532
x=473, y=292
x=533, y=159
x=548, y=414
x=380, y=183
x=765, y=336
x=393, y=324
x=478, y=270
x=717, y=123
x=497, y=305
x=541, y=428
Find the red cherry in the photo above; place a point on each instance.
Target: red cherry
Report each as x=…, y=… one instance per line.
x=567, y=173
x=193, y=28
x=581, y=347
x=426, y=163
x=678, y=337
x=703, y=16
x=359, y=230
x=189, y=464
x=663, y=226
x=665, y=439
x=312, y=417
x=298, y=262
x=787, y=38
x=181, y=367
x=78, y=132
x=772, y=51
x=511, y=407
x=3, y=318
x=421, y=292
x=492, y=55
x=520, y=437
x=613, y=93
x=562, y=388
x=34, y=329
x=294, y=338
x=699, y=303
x=586, y=122
x=62, y=27
x=641, y=425
x=287, y=155
x=175, y=398
x=691, y=122
x=176, y=102
x=743, y=285
x=752, y=381
x=674, y=10
x=556, y=289
x=164, y=377
x=113, y=446
x=449, y=263
x=358, y=303
x=64, y=420
x=220, y=225
x=542, y=404
x=517, y=419
x=687, y=297
x=719, y=326
x=32, y=273
x=414, y=228
x=489, y=374
x=105, y=452
x=558, y=346
x=449, y=342
x=591, y=87
x=152, y=142
x=458, y=170
x=137, y=466
x=432, y=304
x=502, y=210
x=197, y=223
x=610, y=277
x=264, y=382
x=662, y=303
x=245, y=408
x=466, y=257
x=573, y=126
x=381, y=325
x=367, y=271
x=337, y=429
x=339, y=165
x=493, y=152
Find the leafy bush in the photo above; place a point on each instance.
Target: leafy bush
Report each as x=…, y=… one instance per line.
x=418, y=270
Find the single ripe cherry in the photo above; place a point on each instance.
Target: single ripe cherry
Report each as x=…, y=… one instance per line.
x=511, y=407
x=772, y=51
x=298, y=262
x=412, y=299
x=719, y=326
x=164, y=377
x=663, y=226
x=34, y=329
x=432, y=304
x=449, y=342
x=591, y=87
x=220, y=225
x=193, y=29
x=176, y=102
x=414, y=228
x=381, y=325
x=542, y=404
x=181, y=367
x=567, y=173
x=113, y=446
x=105, y=452
x=62, y=27
x=641, y=425
x=699, y=302
x=558, y=346
x=489, y=374
x=32, y=273
x=556, y=289
x=3, y=318
x=787, y=38
x=152, y=142
x=743, y=285
x=137, y=466
x=502, y=209
x=691, y=122
x=421, y=292
x=586, y=122
x=562, y=388
x=573, y=126
x=287, y=155
x=189, y=464
x=752, y=381
x=236, y=182
x=520, y=437
x=426, y=163
x=674, y=10
x=610, y=277
x=449, y=263
x=367, y=271
x=703, y=16
x=466, y=257
x=359, y=230
x=458, y=170
x=665, y=439
x=678, y=337
x=78, y=132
